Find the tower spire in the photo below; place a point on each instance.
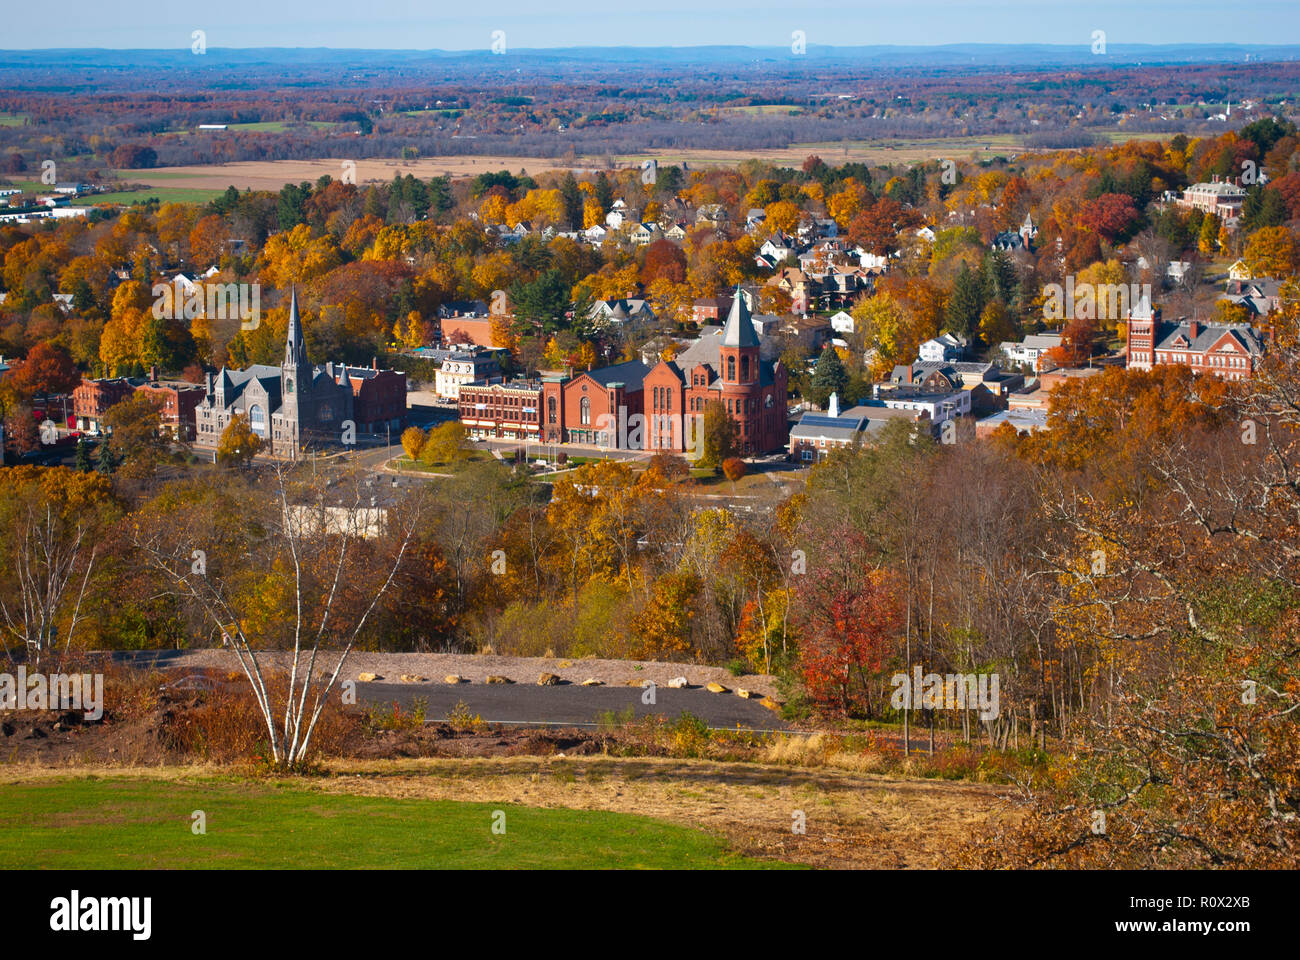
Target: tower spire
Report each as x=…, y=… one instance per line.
x=295, y=348
x=739, y=329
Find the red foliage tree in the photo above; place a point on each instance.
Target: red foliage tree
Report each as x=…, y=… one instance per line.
x=47, y=369
x=849, y=618
x=1110, y=215
x=664, y=260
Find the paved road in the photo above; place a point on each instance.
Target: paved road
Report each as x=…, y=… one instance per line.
x=572, y=704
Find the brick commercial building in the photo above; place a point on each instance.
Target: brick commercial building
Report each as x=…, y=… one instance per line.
x=378, y=396
x=496, y=408
x=177, y=400
x=91, y=400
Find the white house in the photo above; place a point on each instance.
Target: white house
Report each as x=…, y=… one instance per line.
x=1031, y=349
x=943, y=347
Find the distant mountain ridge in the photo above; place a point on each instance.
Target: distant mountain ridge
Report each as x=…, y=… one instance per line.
x=949, y=55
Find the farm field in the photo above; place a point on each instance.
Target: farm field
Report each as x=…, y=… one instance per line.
x=65, y=823
x=274, y=174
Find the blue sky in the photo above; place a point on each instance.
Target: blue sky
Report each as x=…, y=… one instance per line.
x=406, y=24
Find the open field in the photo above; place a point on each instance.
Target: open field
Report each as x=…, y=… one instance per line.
x=587, y=811
x=274, y=174
x=120, y=822
x=163, y=194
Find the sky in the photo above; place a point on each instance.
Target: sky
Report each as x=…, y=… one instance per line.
x=438, y=24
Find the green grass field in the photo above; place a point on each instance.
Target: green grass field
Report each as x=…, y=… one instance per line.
x=163, y=194
x=124, y=823
x=12, y=119
x=273, y=126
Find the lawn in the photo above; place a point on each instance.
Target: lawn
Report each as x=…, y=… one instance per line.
x=406, y=465
x=124, y=823
x=12, y=119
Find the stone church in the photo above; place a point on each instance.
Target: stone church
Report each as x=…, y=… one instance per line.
x=287, y=406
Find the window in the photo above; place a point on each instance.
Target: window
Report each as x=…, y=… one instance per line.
x=731, y=368
x=584, y=411
x=257, y=419
x=550, y=410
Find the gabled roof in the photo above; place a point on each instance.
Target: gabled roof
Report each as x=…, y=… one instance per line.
x=630, y=373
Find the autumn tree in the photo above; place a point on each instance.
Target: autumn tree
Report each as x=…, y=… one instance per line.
x=238, y=444
x=413, y=440
x=719, y=435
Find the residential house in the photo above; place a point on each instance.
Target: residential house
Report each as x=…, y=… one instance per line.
x=946, y=346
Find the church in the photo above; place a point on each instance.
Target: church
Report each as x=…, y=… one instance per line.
x=298, y=403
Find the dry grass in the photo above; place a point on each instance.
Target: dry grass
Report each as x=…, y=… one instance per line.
x=853, y=819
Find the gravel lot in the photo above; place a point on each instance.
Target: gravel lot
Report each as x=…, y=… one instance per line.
x=476, y=668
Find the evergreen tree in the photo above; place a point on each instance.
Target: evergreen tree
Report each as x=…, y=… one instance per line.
x=105, y=460
x=604, y=192
x=83, y=463
x=440, y=199
x=828, y=376
x=966, y=303
x=572, y=198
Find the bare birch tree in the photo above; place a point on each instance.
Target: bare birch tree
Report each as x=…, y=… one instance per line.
x=325, y=552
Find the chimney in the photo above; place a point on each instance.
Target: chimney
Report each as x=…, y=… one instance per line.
x=1193, y=329
x=153, y=374
x=909, y=374
x=833, y=408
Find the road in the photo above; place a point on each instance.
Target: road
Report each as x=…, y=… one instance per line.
x=572, y=704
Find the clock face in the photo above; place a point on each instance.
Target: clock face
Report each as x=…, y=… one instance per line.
x=288, y=385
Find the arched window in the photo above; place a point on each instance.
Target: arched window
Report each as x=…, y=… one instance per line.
x=257, y=419
x=744, y=368
x=584, y=412
x=550, y=410
x=731, y=368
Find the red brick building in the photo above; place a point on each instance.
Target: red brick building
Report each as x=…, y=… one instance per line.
x=595, y=407
x=726, y=368
x=378, y=396
x=502, y=409
x=1231, y=351
x=177, y=400
x=91, y=400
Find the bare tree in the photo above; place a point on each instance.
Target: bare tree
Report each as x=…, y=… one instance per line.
x=323, y=555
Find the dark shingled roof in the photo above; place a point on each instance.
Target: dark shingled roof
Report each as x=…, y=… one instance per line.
x=739, y=329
